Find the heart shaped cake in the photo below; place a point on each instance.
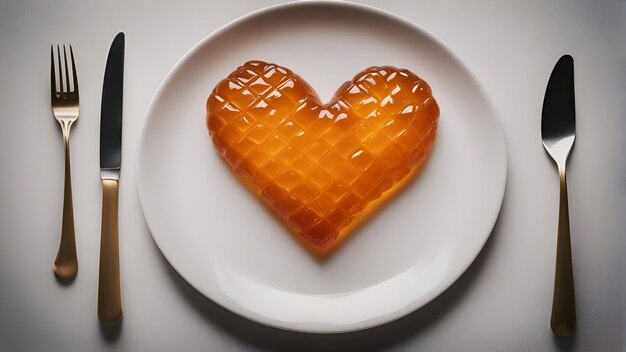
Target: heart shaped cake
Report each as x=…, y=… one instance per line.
x=322, y=168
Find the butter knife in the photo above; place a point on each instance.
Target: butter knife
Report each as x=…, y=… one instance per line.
x=558, y=131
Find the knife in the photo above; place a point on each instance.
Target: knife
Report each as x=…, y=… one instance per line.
x=558, y=131
x=109, y=285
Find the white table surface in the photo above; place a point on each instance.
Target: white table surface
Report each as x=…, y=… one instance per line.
x=502, y=303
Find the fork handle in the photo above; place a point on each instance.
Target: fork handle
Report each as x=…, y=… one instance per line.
x=109, y=285
x=563, y=320
x=66, y=262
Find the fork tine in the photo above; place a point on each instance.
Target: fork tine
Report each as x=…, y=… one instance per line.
x=74, y=72
x=61, y=87
x=53, y=83
x=67, y=72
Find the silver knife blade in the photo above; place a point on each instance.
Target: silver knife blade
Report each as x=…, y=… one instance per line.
x=111, y=109
x=558, y=118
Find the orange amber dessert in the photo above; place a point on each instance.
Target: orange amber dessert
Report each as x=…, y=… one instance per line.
x=322, y=168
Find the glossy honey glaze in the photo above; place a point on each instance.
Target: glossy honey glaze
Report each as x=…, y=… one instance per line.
x=322, y=167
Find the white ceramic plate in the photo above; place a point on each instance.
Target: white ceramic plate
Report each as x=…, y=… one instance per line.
x=223, y=241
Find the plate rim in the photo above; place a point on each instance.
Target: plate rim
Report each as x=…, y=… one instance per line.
x=494, y=116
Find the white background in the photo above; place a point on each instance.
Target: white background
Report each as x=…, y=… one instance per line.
x=502, y=303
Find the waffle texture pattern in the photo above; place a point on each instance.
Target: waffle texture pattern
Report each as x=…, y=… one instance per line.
x=319, y=166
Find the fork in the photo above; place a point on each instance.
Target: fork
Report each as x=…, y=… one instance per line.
x=65, y=110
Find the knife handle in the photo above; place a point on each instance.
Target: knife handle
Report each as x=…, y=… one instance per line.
x=563, y=320
x=109, y=285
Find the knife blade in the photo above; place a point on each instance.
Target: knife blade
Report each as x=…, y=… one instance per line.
x=558, y=116
x=109, y=283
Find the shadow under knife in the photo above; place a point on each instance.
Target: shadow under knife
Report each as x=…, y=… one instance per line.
x=565, y=343
x=111, y=332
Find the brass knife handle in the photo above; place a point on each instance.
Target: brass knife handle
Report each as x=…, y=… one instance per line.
x=563, y=320
x=66, y=262
x=109, y=285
